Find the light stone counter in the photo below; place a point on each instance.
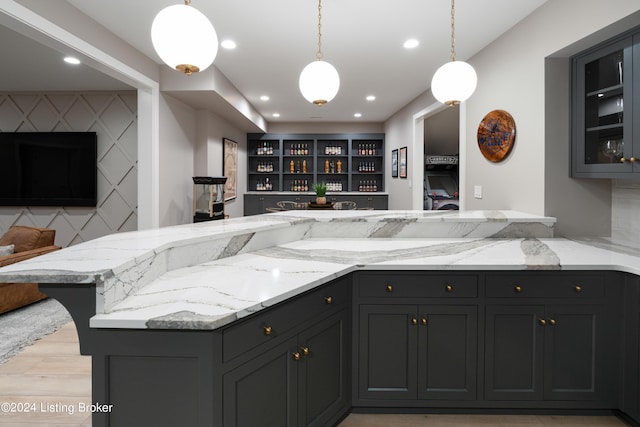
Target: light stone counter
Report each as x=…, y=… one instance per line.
x=206, y=275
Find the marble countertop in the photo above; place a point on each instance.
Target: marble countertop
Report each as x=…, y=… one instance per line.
x=207, y=275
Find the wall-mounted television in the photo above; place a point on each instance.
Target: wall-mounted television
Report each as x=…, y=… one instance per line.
x=48, y=168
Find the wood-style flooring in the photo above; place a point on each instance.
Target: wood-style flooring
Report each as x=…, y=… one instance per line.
x=50, y=381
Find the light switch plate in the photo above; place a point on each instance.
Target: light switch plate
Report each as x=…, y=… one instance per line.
x=477, y=191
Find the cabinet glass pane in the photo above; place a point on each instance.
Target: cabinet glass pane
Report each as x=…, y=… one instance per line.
x=604, y=109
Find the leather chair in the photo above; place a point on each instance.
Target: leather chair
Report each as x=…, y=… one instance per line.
x=28, y=242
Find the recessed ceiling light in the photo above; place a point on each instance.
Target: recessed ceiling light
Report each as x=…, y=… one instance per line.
x=371, y=98
x=71, y=60
x=411, y=43
x=358, y=115
x=276, y=114
x=228, y=44
x=264, y=98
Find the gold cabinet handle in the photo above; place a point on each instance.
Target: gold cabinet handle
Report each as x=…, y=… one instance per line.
x=268, y=330
x=633, y=160
x=414, y=321
x=517, y=289
x=328, y=300
x=389, y=288
x=305, y=351
x=542, y=322
x=424, y=321
x=577, y=288
x=552, y=322
x=449, y=288
x=623, y=160
x=296, y=356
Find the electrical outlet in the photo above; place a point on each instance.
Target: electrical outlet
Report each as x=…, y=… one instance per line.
x=477, y=191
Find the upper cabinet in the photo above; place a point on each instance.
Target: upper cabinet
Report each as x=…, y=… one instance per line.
x=605, y=107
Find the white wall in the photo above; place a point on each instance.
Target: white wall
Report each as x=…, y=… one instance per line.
x=212, y=129
x=177, y=150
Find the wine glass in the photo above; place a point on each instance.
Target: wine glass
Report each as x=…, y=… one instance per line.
x=612, y=148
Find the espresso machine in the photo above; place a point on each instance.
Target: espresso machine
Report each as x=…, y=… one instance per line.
x=208, y=198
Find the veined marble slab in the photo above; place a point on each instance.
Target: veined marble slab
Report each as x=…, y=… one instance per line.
x=217, y=293
x=127, y=268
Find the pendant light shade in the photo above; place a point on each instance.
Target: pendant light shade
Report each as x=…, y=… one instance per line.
x=184, y=38
x=319, y=82
x=454, y=82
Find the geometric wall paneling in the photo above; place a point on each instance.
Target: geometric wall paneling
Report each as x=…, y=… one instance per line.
x=112, y=115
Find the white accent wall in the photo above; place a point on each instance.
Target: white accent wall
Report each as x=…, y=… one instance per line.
x=113, y=117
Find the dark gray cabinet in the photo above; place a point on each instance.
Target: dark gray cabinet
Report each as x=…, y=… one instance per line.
x=605, y=110
x=548, y=337
x=417, y=352
x=302, y=381
x=292, y=163
x=256, y=204
x=537, y=352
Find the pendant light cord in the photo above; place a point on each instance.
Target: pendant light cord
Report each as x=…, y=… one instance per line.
x=319, y=54
x=453, y=31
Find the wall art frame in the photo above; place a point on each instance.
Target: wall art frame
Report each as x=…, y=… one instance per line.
x=403, y=162
x=230, y=168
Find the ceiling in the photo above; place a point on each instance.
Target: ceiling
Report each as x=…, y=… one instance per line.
x=277, y=38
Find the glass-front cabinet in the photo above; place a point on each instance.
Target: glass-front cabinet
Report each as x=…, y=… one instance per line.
x=605, y=107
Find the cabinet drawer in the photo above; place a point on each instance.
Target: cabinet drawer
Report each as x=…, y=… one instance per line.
x=545, y=286
x=268, y=324
x=417, y=285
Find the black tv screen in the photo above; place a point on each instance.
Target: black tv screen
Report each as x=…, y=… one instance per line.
x=48, y=168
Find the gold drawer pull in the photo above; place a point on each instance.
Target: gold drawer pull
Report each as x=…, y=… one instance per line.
x=296, y=356
x=389, y=288
x=633, y=160
x=552, y=322
x=268, y=330
x=518, y=289
x=577, y=288
x=542, y=322
x=328, y=300
x=305, y=351
x=414, y=321
x=449, y=288
x=424, y=321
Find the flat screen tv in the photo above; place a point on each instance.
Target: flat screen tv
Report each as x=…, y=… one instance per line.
x=48, y=169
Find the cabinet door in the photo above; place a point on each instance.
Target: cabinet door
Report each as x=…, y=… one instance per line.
x=447, y=352
x=603, y=112
x=263, y=392
x=514, y=350
x=323, y=371
x=571, y=352
x=388, y=338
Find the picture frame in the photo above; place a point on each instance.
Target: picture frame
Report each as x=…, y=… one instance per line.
x=394, y=163
x=403, y=162
x=230, y=168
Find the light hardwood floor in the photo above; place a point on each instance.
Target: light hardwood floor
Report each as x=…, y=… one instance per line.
x=53, y=381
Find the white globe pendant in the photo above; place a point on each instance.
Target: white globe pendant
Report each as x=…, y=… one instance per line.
x=184, y=38
x=319, y=82
x=454, y=82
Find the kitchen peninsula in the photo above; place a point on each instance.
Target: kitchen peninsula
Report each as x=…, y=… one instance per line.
x=287, y=318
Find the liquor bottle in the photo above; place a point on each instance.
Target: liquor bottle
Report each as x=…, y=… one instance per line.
x=304, y=166
x=339, y=164
x=291, y=166
x=326, y=166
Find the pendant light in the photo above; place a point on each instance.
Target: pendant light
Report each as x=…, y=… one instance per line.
x=455, y=81
x=319, y=81
x=184, y=38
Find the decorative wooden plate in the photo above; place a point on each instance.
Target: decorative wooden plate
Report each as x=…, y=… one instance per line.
x=496, y=135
